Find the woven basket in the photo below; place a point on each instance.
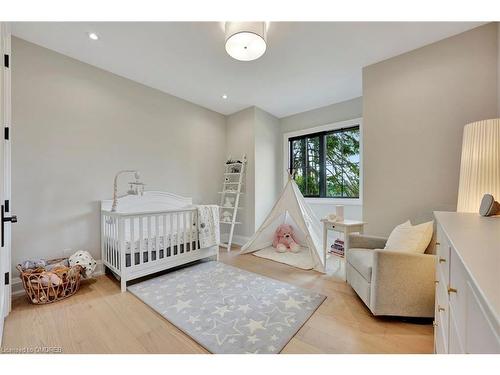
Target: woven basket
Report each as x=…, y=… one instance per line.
x=44, y=287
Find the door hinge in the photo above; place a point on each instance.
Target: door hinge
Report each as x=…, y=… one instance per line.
x=7, y=278
x=6, y=133
x=6, y=61
x=7, y=205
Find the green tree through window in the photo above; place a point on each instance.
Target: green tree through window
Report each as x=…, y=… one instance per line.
x=327, y=164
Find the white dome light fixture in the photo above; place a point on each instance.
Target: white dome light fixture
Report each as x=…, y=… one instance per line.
x=245, y=41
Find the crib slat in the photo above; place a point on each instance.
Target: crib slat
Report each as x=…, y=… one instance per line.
x=131, y=241
x=171, y=233
x=121, y=246
x=165, y=236
x=196, y=230
x=185, y=231
x=106, y=238
x=190, y=229
x=149, y=236
x=157, y=236
x=141, y=239
x=178, y=233
x=117, y=259
x=112, y=241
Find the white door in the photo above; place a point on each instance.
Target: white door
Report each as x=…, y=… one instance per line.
x=6, y=215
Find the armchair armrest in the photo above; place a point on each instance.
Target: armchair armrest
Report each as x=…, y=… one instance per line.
x=363, y=241
x=402, y=284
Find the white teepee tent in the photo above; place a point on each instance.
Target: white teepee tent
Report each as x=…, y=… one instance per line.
x=291, y=208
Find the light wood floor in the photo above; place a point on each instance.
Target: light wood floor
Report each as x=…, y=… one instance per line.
x=100, y=319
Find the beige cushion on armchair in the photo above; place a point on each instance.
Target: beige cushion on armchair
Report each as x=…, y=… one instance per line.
x=391, y=282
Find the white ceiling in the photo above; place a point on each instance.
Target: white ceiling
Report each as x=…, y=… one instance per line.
x=307, y=64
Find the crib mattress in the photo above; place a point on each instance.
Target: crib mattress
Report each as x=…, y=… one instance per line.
x=162, y=253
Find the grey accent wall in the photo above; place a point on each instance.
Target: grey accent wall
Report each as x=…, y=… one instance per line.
x=414, y=108
x=75, y=126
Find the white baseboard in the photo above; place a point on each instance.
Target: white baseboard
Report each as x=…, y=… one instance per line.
x=17, y=285
x=237, y=240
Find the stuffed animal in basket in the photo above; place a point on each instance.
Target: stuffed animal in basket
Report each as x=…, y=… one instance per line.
x=284, y=239
x=85, y=260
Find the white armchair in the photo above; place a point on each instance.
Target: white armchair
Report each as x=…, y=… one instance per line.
x=390, y=282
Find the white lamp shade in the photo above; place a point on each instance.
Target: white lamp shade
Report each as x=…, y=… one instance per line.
x=480, y=164
x=245, y=41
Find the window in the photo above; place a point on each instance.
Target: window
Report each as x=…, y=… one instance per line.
x=326, y=164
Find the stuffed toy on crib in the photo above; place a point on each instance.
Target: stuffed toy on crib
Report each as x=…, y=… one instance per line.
x=284, y=239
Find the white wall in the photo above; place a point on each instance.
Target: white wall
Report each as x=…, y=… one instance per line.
x=75, y=125
x=240, y=130
x=267, y=167
x=414, y=109
x=329, y=114
x=322, y=116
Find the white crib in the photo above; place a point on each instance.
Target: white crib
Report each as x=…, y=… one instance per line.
x=148, y=234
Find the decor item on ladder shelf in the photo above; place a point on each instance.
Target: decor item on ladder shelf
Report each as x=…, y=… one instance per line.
x=234, y=172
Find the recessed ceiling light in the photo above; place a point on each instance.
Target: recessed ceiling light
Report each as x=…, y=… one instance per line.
x=224, y=96
x=93, y=36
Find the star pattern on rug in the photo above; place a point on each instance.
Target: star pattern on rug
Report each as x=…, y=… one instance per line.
x=222, y=330
x=292, y=303
x=181, y=305
x=221, y=311
x=278, y=317
x=254, y=325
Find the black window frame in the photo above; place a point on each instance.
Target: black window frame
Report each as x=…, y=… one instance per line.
x=322, y=175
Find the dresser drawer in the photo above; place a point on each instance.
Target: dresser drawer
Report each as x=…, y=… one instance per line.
x=457, y=293
x=442, y=307
x=442, y=253
x=455, y=343
x=482, y=334
x=440, y=336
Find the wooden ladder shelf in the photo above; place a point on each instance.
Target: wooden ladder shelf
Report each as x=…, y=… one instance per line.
x=234, y=173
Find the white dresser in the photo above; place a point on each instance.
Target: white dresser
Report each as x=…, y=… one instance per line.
x=467, y=283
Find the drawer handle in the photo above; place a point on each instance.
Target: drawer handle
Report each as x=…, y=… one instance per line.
x=442, y=260
x=451, y=290
x=441, y=308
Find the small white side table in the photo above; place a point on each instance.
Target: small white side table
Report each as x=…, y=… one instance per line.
x=345, y=226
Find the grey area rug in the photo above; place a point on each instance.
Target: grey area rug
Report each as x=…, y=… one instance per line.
x=229, y=310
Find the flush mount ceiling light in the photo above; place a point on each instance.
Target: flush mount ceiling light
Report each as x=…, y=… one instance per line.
x=93, y=36
x=245, y=41
x=224, y=96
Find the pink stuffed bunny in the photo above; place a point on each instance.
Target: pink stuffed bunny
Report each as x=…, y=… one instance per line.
x=284, y=239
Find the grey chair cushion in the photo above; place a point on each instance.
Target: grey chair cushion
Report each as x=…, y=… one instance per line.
x=362, y=261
